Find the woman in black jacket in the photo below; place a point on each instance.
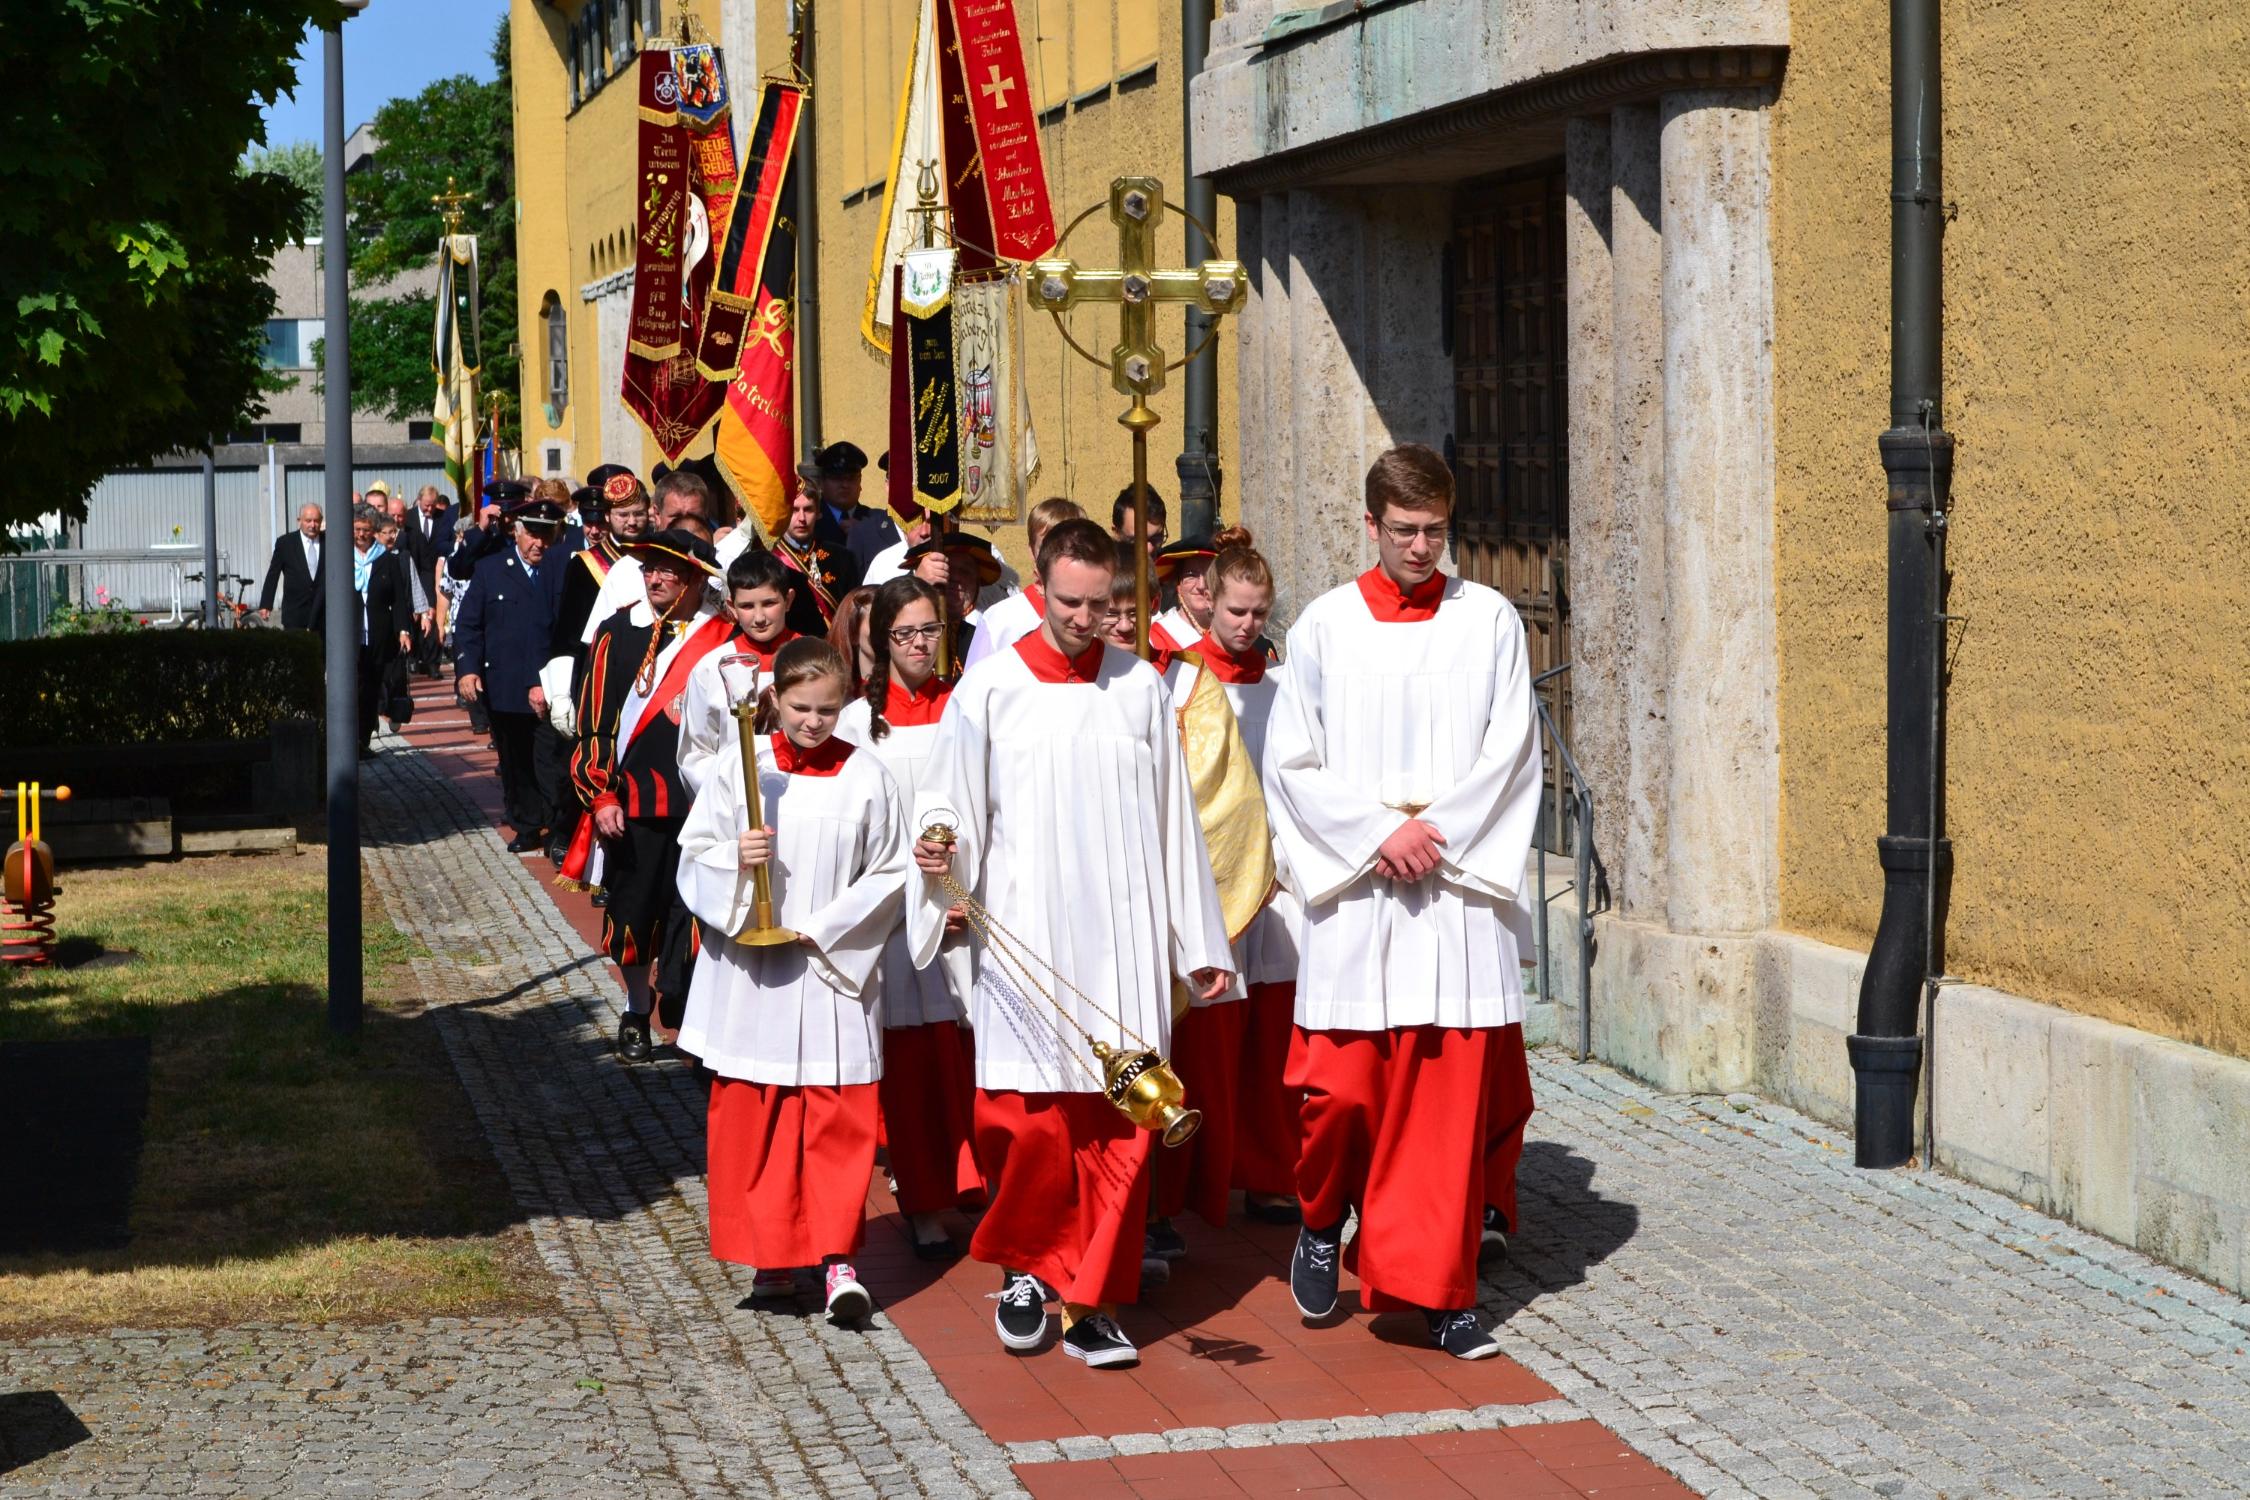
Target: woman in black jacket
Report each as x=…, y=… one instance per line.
x=384, y=578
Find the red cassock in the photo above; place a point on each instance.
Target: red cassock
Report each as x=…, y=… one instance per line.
x=1069, y=1195
x=789, y=1165
x=1266, y=1105
x=1207, y=1054
x=929, y=1081
x=1421, y=1127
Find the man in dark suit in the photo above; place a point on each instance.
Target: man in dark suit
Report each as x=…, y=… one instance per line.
x=846, y=525
x=427, y=537
x=506, y=626
x=298, y=568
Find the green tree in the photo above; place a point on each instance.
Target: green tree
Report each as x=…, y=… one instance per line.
x=299, y=161
x=458, y=129
x=133, y=247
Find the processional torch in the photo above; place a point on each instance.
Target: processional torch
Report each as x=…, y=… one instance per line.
x=761, y=930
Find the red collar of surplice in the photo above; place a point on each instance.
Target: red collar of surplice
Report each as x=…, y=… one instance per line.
x=1226, y=666
x=1049, y=665
x=1388, y=603
x=905, y=707
x=823, y=759
x=744, y=646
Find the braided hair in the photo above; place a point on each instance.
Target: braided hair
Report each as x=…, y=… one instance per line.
x=891, y=598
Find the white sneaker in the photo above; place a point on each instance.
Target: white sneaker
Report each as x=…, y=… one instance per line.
x=848, y=1301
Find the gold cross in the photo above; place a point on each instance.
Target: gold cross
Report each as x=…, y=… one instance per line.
x=1136, y=361
x=449, y=203
x=997, y=89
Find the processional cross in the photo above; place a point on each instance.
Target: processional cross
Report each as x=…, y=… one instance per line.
x=1136, y=362
x=449, y=204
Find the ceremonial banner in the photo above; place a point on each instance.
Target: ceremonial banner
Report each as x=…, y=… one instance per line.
x=734, y=286
x=964, y=165
x=686, y=184
x=756, y=441
x=999, y=455
x=925, y=310
x=453, y=359
x=916, y=140
x=1007, y=128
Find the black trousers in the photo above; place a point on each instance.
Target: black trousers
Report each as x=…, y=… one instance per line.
x=370, y=686
x=523, y=802
x=550, y=755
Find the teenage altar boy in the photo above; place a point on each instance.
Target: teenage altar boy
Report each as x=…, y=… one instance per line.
x=1058, y=768
x=1402, y=772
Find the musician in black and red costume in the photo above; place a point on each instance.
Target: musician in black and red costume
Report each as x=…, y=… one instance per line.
x=627, y=769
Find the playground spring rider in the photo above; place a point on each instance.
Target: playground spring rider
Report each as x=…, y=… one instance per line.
x=27, y=885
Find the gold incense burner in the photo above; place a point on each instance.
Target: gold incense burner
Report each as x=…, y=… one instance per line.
x=1146, y=1091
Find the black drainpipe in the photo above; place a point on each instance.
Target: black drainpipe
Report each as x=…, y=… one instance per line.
x=1917, y=452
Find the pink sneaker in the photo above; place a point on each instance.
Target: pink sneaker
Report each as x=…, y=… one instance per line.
x=773, y=1285
x=848, y=1301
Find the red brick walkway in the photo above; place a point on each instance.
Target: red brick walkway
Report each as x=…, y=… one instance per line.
x=1221, y=1346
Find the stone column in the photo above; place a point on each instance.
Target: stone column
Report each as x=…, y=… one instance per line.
x=1328, y=321
x=1409, y=384
x=1636, y=237
x=1723, y=802
x=1243, y=341
x=620, y=434
x=1601, y=591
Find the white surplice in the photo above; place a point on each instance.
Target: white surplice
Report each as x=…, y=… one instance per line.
x=1373, y=717
x=791, y=1014
x=1175, y=623
x=622, y=588
x=911, y=996
x=1266, y=953
x=1006, y=621
x=1077, y=832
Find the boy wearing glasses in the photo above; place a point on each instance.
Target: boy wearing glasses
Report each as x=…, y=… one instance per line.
x=1402, y=774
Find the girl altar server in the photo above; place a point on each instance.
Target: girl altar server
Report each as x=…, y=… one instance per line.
x=929, y=1078
x=793, y=1032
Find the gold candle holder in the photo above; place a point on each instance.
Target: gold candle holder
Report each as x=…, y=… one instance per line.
x=760, y=931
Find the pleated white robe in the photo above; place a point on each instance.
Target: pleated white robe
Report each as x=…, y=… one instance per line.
x=1008, y=621
x=1372, y=717
x=1077, y=831
x=794, y=1015
x=911, y=996
x=706, y=712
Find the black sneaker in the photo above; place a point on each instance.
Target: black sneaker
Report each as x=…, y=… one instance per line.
x=632, y=1039
x=1283, y=1212
x=1495, y=1241
x=1460, y=1335
x=1313, y=1270
x=1098, y=1341
x=1165, y=1241
x=1156, y=1271
x=1022, y=1315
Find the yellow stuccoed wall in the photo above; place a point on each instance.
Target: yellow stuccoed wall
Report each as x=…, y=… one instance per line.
x=2098, y=383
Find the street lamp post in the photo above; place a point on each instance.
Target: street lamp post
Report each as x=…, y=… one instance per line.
x=342, y=602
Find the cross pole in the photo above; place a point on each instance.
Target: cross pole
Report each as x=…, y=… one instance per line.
x=448, y=204
x=1136, y=362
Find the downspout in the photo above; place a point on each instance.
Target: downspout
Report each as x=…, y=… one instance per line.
x=1198, y=463
x=1917, y=453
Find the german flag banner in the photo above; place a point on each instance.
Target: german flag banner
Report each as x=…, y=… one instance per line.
x=757, y=430
x=734, y=285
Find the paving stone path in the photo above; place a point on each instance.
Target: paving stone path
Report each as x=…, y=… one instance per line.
x=1709, y=1278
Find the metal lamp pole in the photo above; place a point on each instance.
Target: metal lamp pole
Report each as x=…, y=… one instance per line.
x=342, y=617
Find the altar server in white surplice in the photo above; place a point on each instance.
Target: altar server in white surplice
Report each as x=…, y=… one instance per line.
x=1402, y=771
x=929, y=1078
x=794, y=1032
x=1058, y=765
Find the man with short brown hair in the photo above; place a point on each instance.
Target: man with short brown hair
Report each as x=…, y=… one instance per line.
x=1402, y=774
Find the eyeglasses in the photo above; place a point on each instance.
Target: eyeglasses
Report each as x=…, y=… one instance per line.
x=1403, y=535
x=908, y=634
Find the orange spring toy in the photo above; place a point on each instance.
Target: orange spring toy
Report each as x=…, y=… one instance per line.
x=27, y=885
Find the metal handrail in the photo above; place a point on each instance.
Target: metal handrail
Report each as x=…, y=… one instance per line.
x=1592, y=882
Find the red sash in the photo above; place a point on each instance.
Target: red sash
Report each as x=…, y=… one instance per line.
x=701, y=642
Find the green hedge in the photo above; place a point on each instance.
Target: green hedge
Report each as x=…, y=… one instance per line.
x=156, y=686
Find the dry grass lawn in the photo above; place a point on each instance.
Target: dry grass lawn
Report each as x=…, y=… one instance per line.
x=286, y=1175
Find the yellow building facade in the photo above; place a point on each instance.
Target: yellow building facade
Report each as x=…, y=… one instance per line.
x=1106, y=78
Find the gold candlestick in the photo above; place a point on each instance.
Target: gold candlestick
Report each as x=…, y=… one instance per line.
x=760, y=931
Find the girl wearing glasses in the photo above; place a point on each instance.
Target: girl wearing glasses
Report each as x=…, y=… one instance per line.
x=928, y=1074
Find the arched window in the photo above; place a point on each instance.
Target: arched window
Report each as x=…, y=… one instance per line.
x=558, y=357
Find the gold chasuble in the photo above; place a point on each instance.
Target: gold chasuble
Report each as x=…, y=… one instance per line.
x=1228, y=802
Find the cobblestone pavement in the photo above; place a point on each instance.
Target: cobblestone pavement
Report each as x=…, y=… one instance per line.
x=1709, y=1278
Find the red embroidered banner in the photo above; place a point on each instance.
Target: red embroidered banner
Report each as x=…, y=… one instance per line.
x=734, y=287
x=998, y=95
x=756, y=436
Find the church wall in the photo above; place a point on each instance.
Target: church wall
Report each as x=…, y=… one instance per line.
x=2095, y=343
x=1110, y=79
